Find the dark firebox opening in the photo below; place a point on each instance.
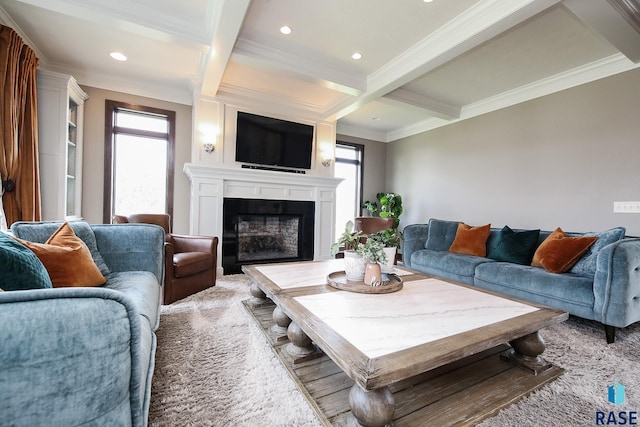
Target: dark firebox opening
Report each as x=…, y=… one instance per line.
x=260, y=231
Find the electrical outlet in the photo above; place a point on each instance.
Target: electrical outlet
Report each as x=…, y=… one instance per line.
x=626, y=207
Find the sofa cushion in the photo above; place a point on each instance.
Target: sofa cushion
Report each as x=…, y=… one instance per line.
x=571, y=292
x=441, y=234
x=189, y=263
x=514, y=246
x=67, y=259
x=21, y=268
x=142, y=288
x=559, y=252
x=586, y=265
x=471, y=240
x=447, y=265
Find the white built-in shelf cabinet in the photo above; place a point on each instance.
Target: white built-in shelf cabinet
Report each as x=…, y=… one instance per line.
x=60, y=119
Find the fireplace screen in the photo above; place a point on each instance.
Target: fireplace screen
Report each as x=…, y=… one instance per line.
x=267, y=237
x=260, y=231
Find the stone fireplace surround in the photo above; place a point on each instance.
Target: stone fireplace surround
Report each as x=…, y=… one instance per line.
x=210, y=185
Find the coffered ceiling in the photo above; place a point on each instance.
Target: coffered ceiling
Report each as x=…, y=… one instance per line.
x=424, y=64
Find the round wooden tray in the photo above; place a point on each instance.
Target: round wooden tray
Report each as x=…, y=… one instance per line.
x=338, y=280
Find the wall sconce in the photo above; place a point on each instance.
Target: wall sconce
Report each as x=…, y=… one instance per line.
x=208, y=136
x=326, y=154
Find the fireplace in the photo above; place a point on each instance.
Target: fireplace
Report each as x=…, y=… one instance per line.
x=257, y=231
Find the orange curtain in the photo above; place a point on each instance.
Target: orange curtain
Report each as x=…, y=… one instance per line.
x=18, y=129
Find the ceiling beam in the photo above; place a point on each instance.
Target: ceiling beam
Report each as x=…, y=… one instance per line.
x=434, y=106
x=618, y=25
x=596, y=70
x=227, y=21
x=480, y=23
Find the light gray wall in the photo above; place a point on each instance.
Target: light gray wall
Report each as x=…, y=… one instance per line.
x=374, y=166
x=561, y=160
x=93, y=157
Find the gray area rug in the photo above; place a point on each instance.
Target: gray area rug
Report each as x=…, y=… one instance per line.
x=214, y=367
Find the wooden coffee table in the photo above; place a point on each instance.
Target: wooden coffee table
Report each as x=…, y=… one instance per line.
x=382, y=339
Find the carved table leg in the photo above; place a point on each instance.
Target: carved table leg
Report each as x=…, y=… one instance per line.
x=259, y=297
x=525, y=352
x=372, y=408
x=300, y=349
x=282, y=322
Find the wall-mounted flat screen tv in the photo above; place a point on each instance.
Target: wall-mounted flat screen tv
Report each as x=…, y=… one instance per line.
x=273, y=142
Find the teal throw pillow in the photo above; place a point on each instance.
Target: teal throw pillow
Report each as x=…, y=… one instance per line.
x=441, y=234
x=21, y=268
x=515, y=246
x=586, y=265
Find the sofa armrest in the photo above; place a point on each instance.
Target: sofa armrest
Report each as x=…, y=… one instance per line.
x=415, y=237
x=616, y=283
x=132, y=247
x=69, y=357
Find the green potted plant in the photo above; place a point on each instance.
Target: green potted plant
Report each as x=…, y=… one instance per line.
x=350, y=240
x=387, y=205
x=372, y=252
x=391, y=239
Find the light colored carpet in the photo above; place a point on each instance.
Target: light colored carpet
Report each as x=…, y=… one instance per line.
x=214, y=367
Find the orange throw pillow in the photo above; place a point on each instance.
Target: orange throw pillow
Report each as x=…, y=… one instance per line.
x=558, y=253
x=471, y=240
x=67, y=259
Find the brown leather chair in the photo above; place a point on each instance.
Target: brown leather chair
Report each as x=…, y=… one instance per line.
x=190, y=261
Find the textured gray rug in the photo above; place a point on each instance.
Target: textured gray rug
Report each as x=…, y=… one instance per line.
x=215, y=368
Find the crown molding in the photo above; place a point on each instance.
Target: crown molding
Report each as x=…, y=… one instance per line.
x=232, y=94
x=360, y=132
x=435, y=107
x=8, y=21
x=108, y=82
x=596, y=70
x=263, y=56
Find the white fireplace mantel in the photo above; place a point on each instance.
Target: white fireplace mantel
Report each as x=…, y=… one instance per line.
x=210, y=185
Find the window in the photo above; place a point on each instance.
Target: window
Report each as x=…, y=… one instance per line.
x=139, y=153
x=349, y=192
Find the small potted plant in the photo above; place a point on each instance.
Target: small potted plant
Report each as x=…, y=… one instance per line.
x=372, y=252
x=391, y=239
x=350, y=240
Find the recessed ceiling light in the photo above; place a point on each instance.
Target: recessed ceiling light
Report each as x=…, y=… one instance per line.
x=118, y=56
x=375, y=119
x=427, y=1
x=356, y=56
x=285, y=29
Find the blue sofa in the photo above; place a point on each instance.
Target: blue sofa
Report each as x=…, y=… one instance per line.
x=84, y=356
x=604, y=285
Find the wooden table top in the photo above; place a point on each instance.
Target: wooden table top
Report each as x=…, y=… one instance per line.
x=379, y=339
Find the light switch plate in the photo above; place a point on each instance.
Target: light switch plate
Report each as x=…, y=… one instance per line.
x=626, y=207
